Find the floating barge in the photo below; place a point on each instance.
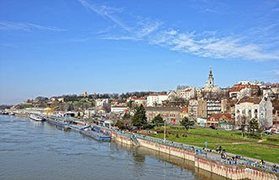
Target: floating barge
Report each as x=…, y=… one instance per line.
x=57, y=122
x=96, y=133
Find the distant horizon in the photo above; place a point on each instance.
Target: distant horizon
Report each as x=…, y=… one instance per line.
x=67, y=47
x=123, y=92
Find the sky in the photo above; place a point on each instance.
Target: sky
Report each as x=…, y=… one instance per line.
x=61, y=47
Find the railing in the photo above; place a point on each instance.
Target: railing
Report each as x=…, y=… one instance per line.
x=212, y=155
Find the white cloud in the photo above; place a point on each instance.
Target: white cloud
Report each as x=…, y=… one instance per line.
x=26, y=27
x=141, y=29
x=212, y=46
x=119, y=38
x=146, y=28
x=204, y=44
x=106, y=12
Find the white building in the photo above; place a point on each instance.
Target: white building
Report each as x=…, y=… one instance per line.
x=186, y=92
x=243, y=89
x=119, y=109
x=137, y=101
x=260, y=109
x=265, y=113
x=156, y=100
x=213, y=107
x=209, y=85
x=89, y=112
x=101, y=102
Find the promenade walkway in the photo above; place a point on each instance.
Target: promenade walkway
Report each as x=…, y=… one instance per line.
x=228, y=159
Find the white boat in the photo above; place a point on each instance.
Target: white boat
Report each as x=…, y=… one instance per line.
x=36, y=117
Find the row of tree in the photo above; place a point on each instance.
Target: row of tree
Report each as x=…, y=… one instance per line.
x=139, y=120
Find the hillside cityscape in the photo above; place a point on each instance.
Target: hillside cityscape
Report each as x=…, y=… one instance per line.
x=139, y=90
x=211, y=106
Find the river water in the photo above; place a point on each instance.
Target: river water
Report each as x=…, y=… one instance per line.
x=35, y=150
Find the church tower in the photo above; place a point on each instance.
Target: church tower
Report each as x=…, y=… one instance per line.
x=210, y=81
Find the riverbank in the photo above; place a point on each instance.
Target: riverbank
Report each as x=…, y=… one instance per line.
x=232, y=141
x=211, y=162
x=206, y=161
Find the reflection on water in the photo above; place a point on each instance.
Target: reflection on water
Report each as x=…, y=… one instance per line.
x=35, y=150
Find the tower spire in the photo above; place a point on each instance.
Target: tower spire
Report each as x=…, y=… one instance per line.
x=210, y=81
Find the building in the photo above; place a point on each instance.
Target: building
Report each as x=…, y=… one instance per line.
x=275, y=113
x=85, y=94
x=186, y=92
x=265, y=113
x=101, y=102
x=254, y=107
x=119, y=109
x=184, y=112
x=246, y=109
x=156, y=100
x=243, y=89
x=210, y=86
x=137, y=101
x=225, y=106
x=193, y=108
x=88, y=113
x=221, y=120
x=213, y=106
x=201, y=122
x=172, y=115
x=202, y=108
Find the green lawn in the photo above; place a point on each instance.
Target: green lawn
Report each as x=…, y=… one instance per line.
x=232, y=141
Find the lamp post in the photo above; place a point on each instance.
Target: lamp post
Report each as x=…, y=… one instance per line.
x=164, y=131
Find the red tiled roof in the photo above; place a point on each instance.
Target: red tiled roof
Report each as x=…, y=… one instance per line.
x=238, y=87
x=254, y=100
x=184, y=109
x=220, y=116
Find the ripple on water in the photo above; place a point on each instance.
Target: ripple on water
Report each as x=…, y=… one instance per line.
x=30, y=150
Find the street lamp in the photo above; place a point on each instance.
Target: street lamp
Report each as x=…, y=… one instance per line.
x=164, y=131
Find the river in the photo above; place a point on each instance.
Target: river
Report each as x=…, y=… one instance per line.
x=35, y=150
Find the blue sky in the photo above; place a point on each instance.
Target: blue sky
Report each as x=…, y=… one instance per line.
x=71, y=46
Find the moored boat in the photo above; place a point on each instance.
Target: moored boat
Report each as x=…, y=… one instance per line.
x=96, y=133
x=36, y=117
x=56, y=121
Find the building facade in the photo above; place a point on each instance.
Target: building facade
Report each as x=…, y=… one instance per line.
x=213, y=106
x=156, y=100
x=172, y=115
x=260, y=109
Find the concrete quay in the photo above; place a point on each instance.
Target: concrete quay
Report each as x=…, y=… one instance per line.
x=209, y=163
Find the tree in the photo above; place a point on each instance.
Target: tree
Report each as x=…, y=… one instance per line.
x=243, y=123
x=253, y=126
x=187, y=123
x=139, y=119
x=126, y=116
x=70, y=107
x=130, y=104
x=120, y=124
x=158, y=120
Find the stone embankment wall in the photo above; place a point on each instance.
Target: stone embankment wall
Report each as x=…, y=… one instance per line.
x=181, y=153
x=230, y=172
x=121, y=138
x=227, y=171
